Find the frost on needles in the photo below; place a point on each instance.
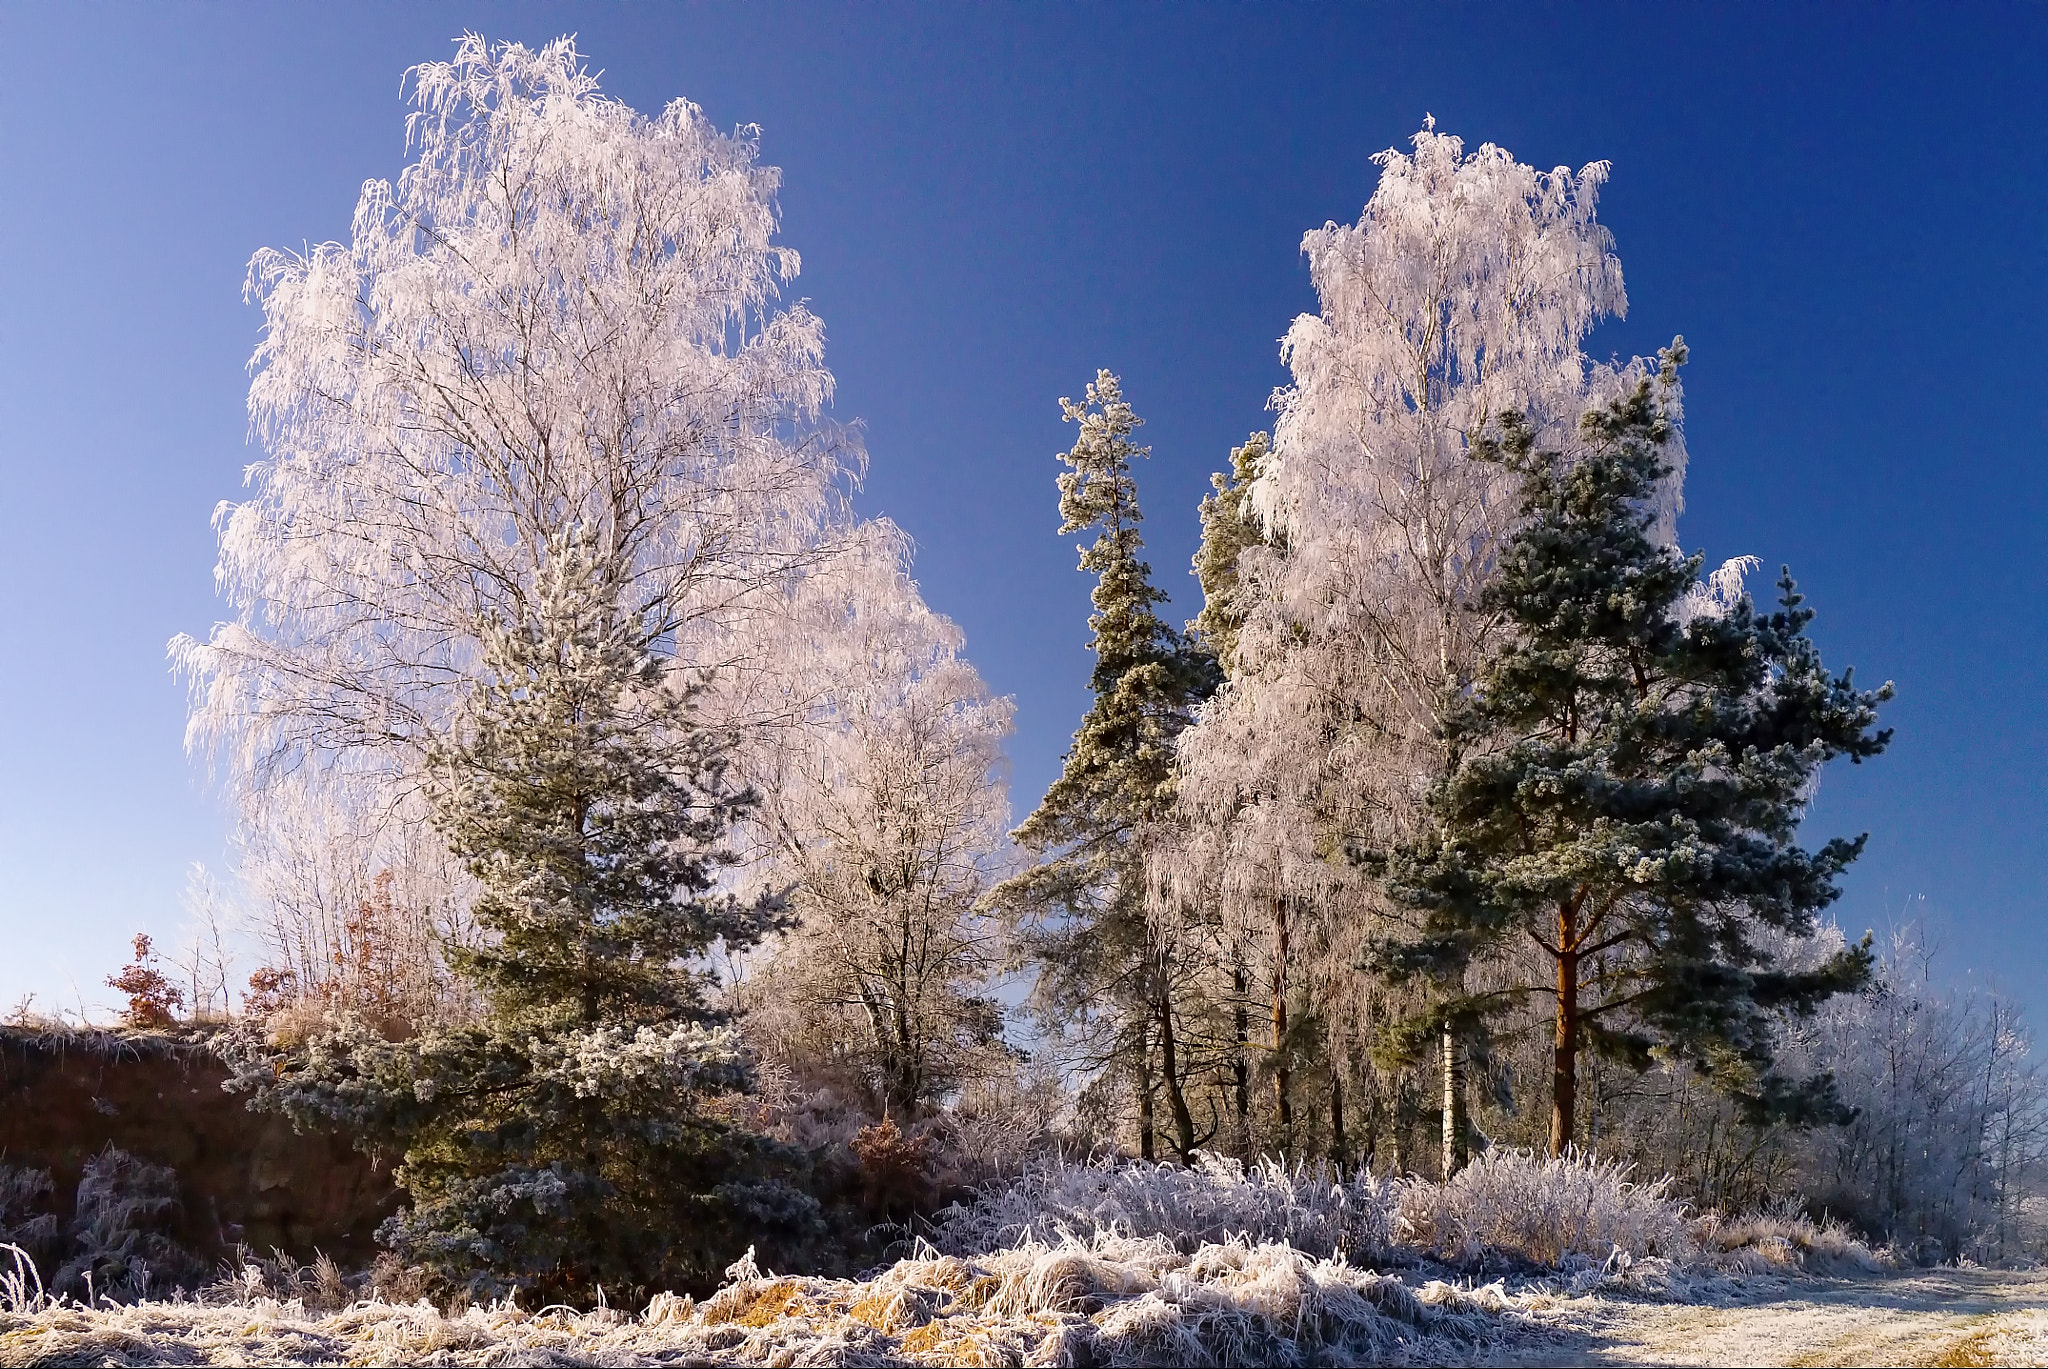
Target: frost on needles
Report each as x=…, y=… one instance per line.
x=1624, y=789
x=563, y=1141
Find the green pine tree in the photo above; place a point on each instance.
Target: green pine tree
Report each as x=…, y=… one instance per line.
x=590, y=807
x=1100, y=968
x=1628, y=786
x=563, y=1144
x=1229, y=526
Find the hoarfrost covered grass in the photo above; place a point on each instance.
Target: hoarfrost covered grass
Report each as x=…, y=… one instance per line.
x=1504, y=1203
x=1105, y=1263
x=1309, y=1207
x=1112, y=1300
x=1545, y=1211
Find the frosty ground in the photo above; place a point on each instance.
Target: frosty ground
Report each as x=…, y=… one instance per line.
x=1517, y=1260
x=1922, y=1317
x=1932, y=1317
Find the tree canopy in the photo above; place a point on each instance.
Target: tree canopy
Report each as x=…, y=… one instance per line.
x=1628, y=781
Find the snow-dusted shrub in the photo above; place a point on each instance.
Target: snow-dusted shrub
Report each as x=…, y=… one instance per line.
x=119, y=1244
x=1775, y=1241
x=1310, y=1207
x=1543, y=1210
x=1504, y=1202
x=27, y=1218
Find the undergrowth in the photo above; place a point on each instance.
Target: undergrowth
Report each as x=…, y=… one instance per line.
x=1110, y=1263
x=1505, y=1203
x=1110, y=1301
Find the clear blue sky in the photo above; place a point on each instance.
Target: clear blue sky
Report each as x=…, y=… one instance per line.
x=1843, y=211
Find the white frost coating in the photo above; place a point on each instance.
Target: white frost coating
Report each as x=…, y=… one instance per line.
x=559, y=315
x=1719, y=593
x=873, y=740
x=884, y=810
x=1465, y=290
x=613, y=1062
x=562, y=314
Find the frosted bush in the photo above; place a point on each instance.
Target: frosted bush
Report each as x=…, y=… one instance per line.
x=1505, y=1202
x=1543, y=1210
x=1580, y=1214
x=1773, y=1242
x=1310, y=1207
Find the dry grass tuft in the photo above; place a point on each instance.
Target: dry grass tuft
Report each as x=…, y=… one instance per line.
x=1544, y=1211
x=1573, y=1214
x=1777, y=1242
x=1113, y=1301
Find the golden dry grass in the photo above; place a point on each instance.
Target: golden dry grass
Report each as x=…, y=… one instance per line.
x=1116, y=1300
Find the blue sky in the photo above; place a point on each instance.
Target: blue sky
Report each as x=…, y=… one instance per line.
x=1845, y=220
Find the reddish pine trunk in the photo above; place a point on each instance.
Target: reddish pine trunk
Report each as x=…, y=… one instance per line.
x=1564, y=1080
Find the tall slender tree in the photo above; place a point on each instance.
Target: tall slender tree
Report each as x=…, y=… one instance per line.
x=1632, y=781
x=1102, y=970
x=1229, y=525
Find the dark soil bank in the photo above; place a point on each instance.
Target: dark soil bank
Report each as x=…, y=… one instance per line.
x=242, y=1176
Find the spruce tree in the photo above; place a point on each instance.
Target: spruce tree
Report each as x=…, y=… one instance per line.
x=1229, y=526
x=1629, y=788
x=1100, y=965
x=591, y=809
x=563, y=1144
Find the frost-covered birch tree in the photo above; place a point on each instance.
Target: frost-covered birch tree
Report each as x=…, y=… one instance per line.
x=1466, y=289
x=883, y=812
x=1947, y=1150
x=562, y=314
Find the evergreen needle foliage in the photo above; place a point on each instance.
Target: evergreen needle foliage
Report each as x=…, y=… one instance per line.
x=589, y=808
x=563, y=1143
x=1627, y=785
x=1229, y=525
x=1102, y=975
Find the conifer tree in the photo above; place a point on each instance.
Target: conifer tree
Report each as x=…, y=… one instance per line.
x=1630, y=786
x=1102, y=971
x=590, y=808
x=1229, y=525
x=561, y=1143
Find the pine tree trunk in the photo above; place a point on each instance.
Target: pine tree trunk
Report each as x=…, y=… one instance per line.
x=1283, y=1077
x=1145, y=1095
x=1176, y=1100
x=1338, y=1146
x=1241, y=1064
x=1456, y=1133
x=1564, y=1082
